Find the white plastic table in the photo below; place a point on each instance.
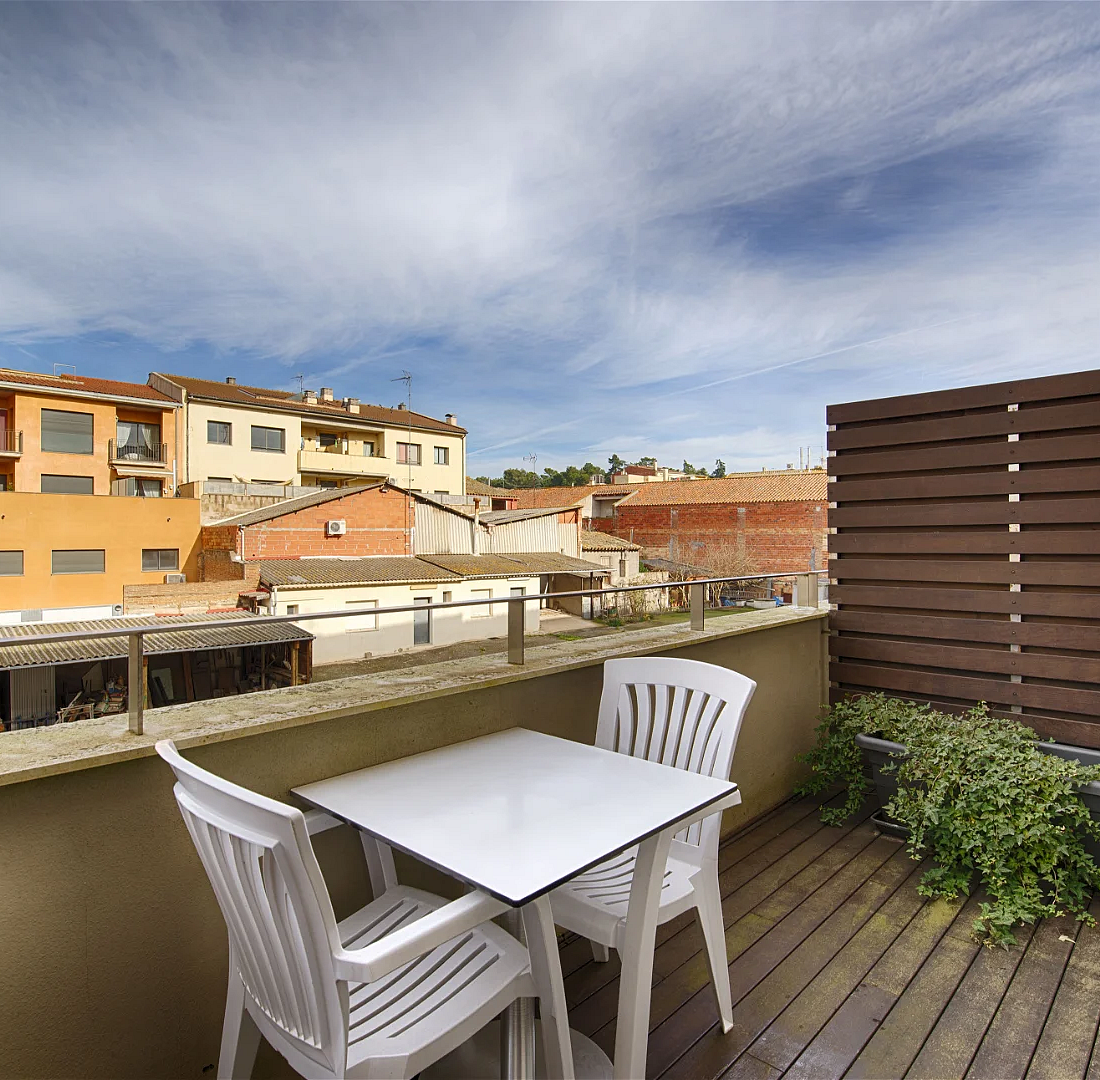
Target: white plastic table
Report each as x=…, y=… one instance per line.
x=518, y=813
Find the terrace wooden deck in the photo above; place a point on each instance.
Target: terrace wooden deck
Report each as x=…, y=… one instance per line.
x=839, y=969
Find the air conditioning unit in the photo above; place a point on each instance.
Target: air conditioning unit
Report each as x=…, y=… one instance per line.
x=175, y=579
x=335, y=528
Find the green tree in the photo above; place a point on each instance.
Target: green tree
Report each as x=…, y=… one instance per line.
x=521, y=478
x=616, y=463
x=484, y=480
x=719, y=469
x=650, y=461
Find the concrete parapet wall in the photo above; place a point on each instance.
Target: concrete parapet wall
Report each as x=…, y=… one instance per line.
x=114, y=951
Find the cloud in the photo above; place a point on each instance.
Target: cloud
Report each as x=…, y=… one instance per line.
x=556, y=215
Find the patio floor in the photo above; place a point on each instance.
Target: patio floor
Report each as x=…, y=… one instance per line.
x=839, y=969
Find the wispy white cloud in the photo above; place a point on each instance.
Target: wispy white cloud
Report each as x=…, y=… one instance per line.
x=557, y=215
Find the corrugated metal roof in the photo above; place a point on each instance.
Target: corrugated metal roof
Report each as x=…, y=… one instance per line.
x=591, y=540
x=82, y=385
x=502, y=517
x=548, y=562
x=228, y=630
x=292, y=506
x=284, y=400
x=371, y=570
x=787, y=485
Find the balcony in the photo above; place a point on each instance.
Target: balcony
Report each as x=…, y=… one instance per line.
x=332, y=461
x=137, y=456
x=11, y=443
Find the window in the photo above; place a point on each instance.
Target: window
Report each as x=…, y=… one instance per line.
x=218, y=432
x=88, y=561
x=368, y=448
x=483, y=611
x=271, y=439
x=11, y=564
x=442, y=455
x=447, y=596
x=326, y=439
x=326, y=484
x=443, y=493
x=67, y=432
x=518, y=590
x=138, y=442
x=160, y=559
x=364, y=622
x=292, y=609
x=408, y=453
x=67, y=485
x=137, y=486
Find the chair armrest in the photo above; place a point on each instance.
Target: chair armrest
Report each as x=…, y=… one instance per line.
x=317, y=821
x=387, y=954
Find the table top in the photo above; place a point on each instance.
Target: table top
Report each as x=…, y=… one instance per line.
x=515, y=813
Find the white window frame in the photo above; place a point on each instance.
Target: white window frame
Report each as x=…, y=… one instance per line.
x=482, y=611
x=445, y=452
x=369, y=605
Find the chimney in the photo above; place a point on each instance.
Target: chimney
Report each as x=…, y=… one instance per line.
x=230, y=380
x=351, y=404
x=326, y=393
x=451, y=419
x=401, y=406
x=309, y=397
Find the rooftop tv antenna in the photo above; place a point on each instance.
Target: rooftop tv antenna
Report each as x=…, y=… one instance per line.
x=533, y=458
x=407, y=379
x=71, y=371
x=301, y=385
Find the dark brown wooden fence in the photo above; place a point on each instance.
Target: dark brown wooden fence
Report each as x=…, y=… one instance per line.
x=966, y=560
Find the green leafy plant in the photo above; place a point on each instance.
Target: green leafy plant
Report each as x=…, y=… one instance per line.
x=980, y=799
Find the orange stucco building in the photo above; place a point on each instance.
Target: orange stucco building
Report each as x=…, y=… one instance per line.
x=87, y=475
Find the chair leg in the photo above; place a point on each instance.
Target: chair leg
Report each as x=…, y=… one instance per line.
x=708, y=910
x=542, y=944
x=600, y=953
x=240, y=1036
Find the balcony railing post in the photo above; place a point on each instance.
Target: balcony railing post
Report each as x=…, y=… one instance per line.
x=698, y=603
x=135, y=684
x=805, y=590
x=515, y=631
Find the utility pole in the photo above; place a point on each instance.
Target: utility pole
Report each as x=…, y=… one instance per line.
x=407, y=379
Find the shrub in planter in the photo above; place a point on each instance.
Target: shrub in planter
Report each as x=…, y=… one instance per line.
x=980, y=799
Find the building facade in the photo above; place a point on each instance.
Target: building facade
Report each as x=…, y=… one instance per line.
x=748, y=522
x=247, y=434
x=65, y=434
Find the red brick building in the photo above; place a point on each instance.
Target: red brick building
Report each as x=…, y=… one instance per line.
x=763, y=521
x=374, y=520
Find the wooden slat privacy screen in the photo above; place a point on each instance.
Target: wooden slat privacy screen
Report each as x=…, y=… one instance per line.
x=966, y=556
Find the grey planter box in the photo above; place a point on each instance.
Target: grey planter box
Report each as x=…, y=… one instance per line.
x=880, y=752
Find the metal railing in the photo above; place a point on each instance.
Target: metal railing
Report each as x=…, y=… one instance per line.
x=139, y=452
x=11, y=441
x=805, y=595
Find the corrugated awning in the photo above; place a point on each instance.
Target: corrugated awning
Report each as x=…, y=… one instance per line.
x=227, y=631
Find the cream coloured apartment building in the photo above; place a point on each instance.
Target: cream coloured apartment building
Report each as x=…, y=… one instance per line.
x=248, y=434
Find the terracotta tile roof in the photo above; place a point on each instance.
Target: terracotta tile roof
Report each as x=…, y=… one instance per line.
x=530, y=498
x=81, y=384
x=284, y=400
x=478, y=566
x=476, y=487
x=782, y=485
x=372, y=570
x=604, y=491
x=549, y=562
x=592, y=540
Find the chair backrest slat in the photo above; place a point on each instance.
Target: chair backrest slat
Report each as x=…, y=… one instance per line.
x=282, y=930
x=679, y=712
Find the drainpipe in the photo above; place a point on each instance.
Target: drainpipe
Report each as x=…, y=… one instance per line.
x=475, y=534
x=273, y=600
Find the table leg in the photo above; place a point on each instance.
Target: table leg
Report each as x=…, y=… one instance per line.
x=635, y=982
x=517, y=1025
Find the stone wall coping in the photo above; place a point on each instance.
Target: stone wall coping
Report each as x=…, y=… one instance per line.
x=37, y=753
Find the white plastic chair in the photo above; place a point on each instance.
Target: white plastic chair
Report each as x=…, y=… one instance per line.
x=686, y=714
x=384, y=993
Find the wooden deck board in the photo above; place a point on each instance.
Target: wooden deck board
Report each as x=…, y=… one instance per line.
x=840, y=969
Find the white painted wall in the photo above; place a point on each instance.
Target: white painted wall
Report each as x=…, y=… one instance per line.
x=362, y=635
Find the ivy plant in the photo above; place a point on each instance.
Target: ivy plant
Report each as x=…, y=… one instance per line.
x=980, y=799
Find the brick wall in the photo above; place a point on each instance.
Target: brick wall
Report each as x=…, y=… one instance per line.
x=769, y=537
x=376, y=525
x=194, y=597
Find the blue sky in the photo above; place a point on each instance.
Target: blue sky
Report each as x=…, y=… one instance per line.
x=673, y=230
